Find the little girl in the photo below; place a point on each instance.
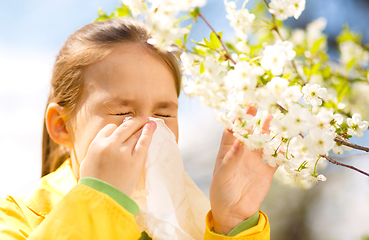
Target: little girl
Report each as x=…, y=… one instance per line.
x=92, y=160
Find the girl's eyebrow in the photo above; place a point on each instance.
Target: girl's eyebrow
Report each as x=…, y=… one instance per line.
x=128, y=102
x=167, y=104
x=117, y=101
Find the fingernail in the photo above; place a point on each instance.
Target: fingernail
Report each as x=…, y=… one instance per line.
x=149, y=125
x=145, y=118
x=236, y=145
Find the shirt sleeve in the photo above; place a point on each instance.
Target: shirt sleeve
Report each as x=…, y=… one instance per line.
x=113, y=192
x=248, y=223
x=261, y=231
x=86, y=213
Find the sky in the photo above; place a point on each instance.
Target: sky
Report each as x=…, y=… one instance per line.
x=33, y=31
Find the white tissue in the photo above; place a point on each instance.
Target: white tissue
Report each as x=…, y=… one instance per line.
x=171, y=205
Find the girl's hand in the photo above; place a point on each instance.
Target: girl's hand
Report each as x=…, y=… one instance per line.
x=240, y=182
x=117, y=154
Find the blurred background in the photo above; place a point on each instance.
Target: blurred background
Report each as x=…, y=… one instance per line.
x=33, y=31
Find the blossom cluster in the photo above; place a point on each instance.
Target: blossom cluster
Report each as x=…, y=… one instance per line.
x=284, y=9
x=286, y=76
x=240, y=20
x=161, y=17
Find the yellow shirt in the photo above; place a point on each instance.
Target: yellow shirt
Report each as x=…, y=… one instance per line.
x=60, y=208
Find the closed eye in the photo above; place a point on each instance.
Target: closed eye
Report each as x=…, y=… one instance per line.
x=122, y=114
x=162, y=115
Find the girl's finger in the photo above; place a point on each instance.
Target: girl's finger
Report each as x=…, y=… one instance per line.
x=227, y=142
x=230, y=162
x=106, y=131
x=132, y=140
x=128, y=128
x=252, y=110
x=265, y=123
x=143, y=143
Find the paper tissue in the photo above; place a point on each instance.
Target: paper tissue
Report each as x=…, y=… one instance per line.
x=171, y=205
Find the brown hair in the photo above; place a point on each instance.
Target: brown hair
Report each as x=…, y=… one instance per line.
x=83, y=48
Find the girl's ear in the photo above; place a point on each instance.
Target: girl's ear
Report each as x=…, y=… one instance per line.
x=56, y=124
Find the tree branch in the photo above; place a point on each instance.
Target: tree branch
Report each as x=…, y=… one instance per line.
x=342, y=141
x=275, y=28
x=228, y=55
x=345, y=165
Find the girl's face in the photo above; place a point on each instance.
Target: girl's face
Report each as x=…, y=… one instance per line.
x=130, y=82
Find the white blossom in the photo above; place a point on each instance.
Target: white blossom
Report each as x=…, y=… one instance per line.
x=314, y=31
x=323, y=119
x=283, y=9
x=357, y=126
x=338, y=149
x=297, y=6
x=321, y=141
x=187, y=64
x=240, y=20
x=273, y=156
x=266, y=100
x=338, y=118
x=300, y=147
x=212, y=70
x=296, y=121
x=277, y=85
x=291, y=94
x=242, y=47
x=163, y=32
x=136, y=6
x=351, y=50
x=313, y=94
x=243, y=79
x=276, y=56
x=298, y=36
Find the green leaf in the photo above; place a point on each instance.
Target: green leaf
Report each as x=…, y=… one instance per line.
x=231, y=47
x=259, y=8
x=209, y=44
x=350, y=64
x=122, y=11
x=184, y=17
x=348, y=35
x=178, y=42
x=199, y=51
x=326, y=72
x=202, y=68
x=306, y=71
x=195, y=13
x=330, y=104
x=214, y=40
x=315, y=68
x=101, y=13
x=342, y=89
x=199, y=44
x=317, y=45
x=287, y=75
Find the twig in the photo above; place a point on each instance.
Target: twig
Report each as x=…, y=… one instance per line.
x=344, y=165
x=228, y=55
x=274, y=21
x=275, y=28
x=282, y=109
x=342, y=141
